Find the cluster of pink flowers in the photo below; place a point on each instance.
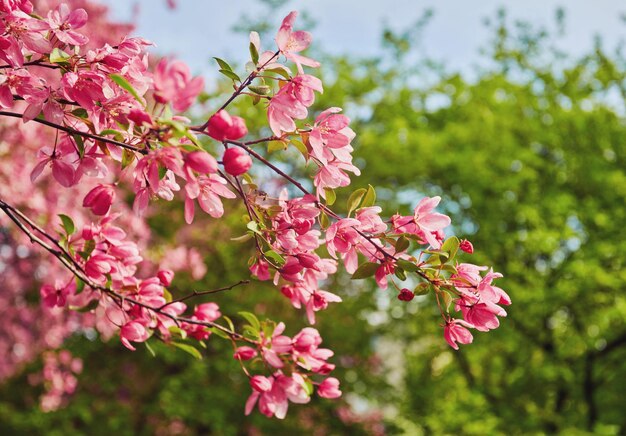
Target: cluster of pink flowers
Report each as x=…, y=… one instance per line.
x=120, y=129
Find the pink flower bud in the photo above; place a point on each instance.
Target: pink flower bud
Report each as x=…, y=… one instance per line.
x=406, y=295
x=133, y=331
x=245, y=353
x=329, y=388
x=201, y=161
x=236, y=161
x=260, y=383
x=165, y=276
x=223, y=126
x=207, y=312
x=100, y=199
x=466, y=246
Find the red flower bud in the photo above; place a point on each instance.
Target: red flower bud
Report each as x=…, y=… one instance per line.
x=236, y=161
x=406, y=295
x=466, y=246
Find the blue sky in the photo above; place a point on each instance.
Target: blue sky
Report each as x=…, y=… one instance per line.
x=199, y=29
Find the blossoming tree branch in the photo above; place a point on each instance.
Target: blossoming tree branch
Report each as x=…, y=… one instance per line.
x=86, y=122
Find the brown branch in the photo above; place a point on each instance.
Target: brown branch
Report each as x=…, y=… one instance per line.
x=209, y=292
x=77, y=132
x=70, y=263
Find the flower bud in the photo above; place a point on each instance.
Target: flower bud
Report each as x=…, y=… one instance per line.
x=100, y=199
x=329, y=388
x=466, y=246
x=223, y=126
x=201, y=161
x=165, y=276
x=406, y=295
x=236, y=161
x=245, y=353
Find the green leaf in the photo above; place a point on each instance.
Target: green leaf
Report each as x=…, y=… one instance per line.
x=402, y=244
x=277, y=258
x=80, y=144
x=219, y=332
x=230, y=75
x=254, y=54
x=370, y=197
x=407, y=266
x=80, y=286
x=253, y=226
x=231, y=326
x=58, y=56
x=188, y=349
x=451, y=246
x=324, y=220
x=88, y=308
x=128, y=157
x=150, y=350
x=68, y=224
x=124, y=84
x=365, y=270
x=331, y=196
x=276, y=146
x=223, y=64
x=252, y=319
x=301, y=147
x=422, y=289
x=399, y=272
x=355, y=199
x=261, y=90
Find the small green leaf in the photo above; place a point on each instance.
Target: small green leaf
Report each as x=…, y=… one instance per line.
x=150, y=350
x=231, y=326
x=399, y=272
x=261, y=90
x=422, y=289
x=80, y=144
x=128, y=157
x=451, y=246
x=219, y=332
x=324, y=220
x=365, y=270
x=124, y=84
x=277, y=258
x=230, y=74
x=188, y=349
x=370, y=197
x=58, y=56
x=68, y=224
x=276, y=146
x=355, y=199
x=254, y=54
x=253, y=226
x=252, y=319
x=402, y=244
x=80, y=286
x=407, y=266
x=301, y=147
x=88, y=308
x=331, y=196
x=223, y=64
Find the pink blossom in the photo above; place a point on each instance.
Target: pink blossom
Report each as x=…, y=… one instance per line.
x=236, y=161
x=63, y=22
x=173, y=83
x=424, y=223
x=208, y=190
x=290, y=43
x=245, y=353
x=456, y=330
x=56, y=296
x=165, y=276
x=133, y=331
x=223, y=126
x=100, y=199
x=329, y=388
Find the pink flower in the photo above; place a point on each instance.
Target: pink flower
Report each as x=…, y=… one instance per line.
x=56, y=296
x=290, y=43
x=173, y=83
x=329, y=388
x=456, y=330
x=200, y=161
x=100, y=199
x=260, y=269
x=466, y=246
x=133, y=331
x=245, y=353
x=223, y=126
x=63, y=22
x=424, y=223
x=165, y=276
x=282, y=110
x=62, y=171
x=236, y=161
x=208, y=190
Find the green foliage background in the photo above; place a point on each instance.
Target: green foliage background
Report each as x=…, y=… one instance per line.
x=530, y=159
